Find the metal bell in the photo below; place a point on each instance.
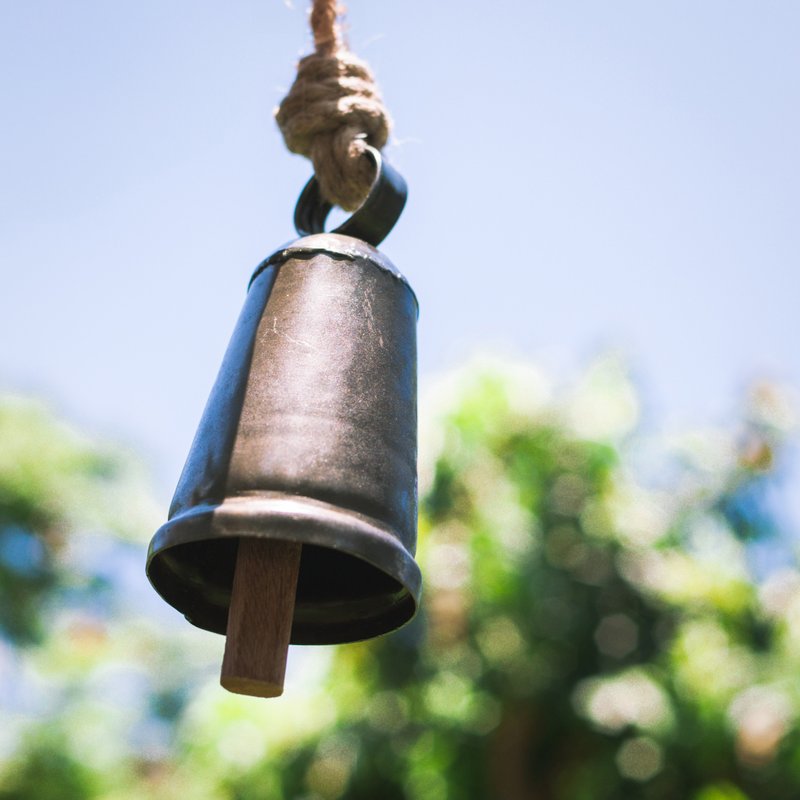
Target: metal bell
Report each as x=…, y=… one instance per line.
x=309, y=436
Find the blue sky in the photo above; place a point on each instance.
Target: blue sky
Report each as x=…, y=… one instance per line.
x=583, y=176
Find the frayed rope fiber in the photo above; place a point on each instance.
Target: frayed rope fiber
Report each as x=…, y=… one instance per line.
x=333, y=111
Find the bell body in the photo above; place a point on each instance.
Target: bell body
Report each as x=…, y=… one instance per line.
x=309, y=435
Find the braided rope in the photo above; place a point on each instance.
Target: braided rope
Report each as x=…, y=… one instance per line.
x=333, y=111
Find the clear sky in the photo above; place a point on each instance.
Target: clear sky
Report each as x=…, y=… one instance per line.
x=583, y=176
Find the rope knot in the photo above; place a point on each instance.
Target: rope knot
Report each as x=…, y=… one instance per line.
x=331, y=113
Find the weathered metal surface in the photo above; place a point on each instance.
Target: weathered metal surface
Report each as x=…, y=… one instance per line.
x=309, y=435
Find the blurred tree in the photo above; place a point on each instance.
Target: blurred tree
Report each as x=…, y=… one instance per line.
x=590, y=627
x=89, y=687
x=591, y=630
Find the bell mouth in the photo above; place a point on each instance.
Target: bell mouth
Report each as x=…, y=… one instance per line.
x=356, y=579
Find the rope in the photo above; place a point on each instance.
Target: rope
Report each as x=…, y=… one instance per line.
x=332, y=111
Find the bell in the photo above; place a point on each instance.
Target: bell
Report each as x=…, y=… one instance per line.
x=309, y=437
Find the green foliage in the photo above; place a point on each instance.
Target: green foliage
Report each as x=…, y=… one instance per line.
x=591, y=630
x=49, y=772
x=52, y=483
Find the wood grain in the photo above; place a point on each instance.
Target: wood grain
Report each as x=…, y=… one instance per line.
x=260, y=617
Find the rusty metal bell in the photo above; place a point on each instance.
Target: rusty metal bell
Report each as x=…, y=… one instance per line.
x=309, y=436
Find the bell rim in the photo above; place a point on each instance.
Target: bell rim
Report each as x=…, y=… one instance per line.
x=305, y=520
x=334, y=245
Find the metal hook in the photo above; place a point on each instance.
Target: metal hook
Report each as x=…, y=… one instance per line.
x=371, y=221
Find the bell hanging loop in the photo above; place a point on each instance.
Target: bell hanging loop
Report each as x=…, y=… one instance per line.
x=372, y=221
